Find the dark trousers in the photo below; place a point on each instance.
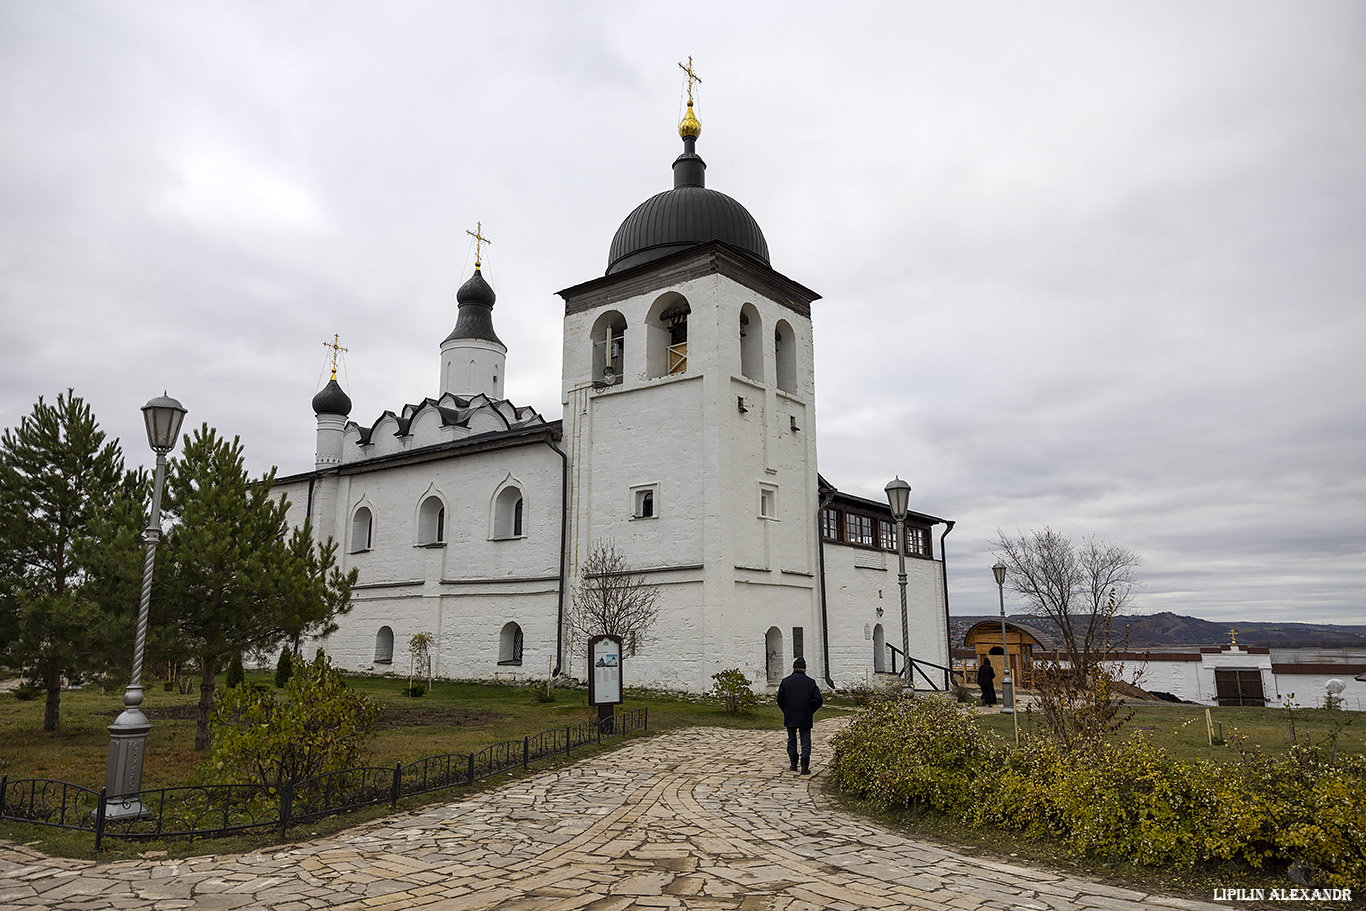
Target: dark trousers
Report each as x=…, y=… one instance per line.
x=988, y=694
x=792, y=744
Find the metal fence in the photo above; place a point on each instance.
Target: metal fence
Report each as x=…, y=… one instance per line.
x=217, y=811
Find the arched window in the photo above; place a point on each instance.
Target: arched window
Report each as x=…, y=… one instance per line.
x=510, y=645
x=431, y=521
x=384, y=646
x=362, y=530
x=609, y=348
x=785, y=356
x=666, y=336
x=773, y=654
x=879, y=650
x=507, y=513
x=751, y=344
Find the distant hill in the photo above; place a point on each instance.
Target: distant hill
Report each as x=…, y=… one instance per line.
x=1168, y=629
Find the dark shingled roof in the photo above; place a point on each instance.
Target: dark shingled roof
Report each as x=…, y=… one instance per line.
x=475, y=320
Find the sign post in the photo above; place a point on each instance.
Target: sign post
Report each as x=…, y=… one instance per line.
x=604, y=678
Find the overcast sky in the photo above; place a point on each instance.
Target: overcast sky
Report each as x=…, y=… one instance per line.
x=1097, y=266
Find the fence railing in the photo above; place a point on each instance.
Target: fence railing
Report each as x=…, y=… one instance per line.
x=217, y=811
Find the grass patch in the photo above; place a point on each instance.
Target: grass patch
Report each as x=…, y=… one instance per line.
x=1180, y=729
x=452, y=717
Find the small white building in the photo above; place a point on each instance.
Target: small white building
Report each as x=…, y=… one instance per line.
x=688, y=438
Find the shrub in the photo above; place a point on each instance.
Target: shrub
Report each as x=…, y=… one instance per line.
x=27, y=692
x=733, y=690
x=417, y=689
x=284, y=668
x=319, y=726
x=236, y=675
x=903, y=753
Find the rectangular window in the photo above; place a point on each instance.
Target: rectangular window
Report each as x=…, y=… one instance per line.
x=917, y=542
x=797, y=643
x=858, y=529
x=645, y=502
x=886, y=535
x=768, y=501
x=830, y=524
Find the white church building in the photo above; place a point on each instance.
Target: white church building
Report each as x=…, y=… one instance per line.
x=688, y=438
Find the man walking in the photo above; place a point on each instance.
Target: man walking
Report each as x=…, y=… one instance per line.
x=799, y=697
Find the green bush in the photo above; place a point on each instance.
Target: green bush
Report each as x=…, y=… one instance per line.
x=284, y=668
x=733, y=690
x=27, y=692
x=1129, y=800
x=906, y=753
x=417, y=689
x=319, y=726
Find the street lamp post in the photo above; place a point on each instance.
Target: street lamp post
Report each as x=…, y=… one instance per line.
x=128, y=733
x=899, y=498
x=1007, y=688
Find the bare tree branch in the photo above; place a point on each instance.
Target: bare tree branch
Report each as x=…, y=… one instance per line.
x=612, y=600
x=1079, y=587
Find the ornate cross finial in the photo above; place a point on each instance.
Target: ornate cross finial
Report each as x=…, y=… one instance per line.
x=479, y=241
x=1233, y=637
x=692, y=77
x=337, y=348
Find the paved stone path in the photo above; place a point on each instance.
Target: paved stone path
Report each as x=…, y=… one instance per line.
x=701, y=819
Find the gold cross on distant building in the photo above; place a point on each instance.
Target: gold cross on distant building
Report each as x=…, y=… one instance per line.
x=479, y=241
x=336, y=347
x=692, y=77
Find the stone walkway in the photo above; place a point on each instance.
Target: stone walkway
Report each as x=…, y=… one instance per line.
x=700, y=819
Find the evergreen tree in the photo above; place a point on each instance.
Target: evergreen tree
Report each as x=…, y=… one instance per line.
x=238, y=579
x=284, y=668
x=70, y=549
x=237, y=675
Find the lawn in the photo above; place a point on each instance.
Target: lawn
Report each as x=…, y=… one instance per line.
x=451, y=718
x=1180, y=729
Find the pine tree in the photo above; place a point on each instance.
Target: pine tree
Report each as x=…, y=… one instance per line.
x=238, y=578
x=284, y=668
x=70, y=555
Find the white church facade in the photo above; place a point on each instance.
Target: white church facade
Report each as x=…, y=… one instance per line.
x=688, y=438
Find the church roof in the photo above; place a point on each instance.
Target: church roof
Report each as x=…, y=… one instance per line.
x=332, y=399
x=475, y=319
x=685, y=216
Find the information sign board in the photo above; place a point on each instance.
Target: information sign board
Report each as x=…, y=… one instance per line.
x=604, y=670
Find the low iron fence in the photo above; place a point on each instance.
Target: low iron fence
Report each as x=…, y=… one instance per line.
x=216, y=811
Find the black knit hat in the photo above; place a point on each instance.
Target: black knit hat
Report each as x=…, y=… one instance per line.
x=799, y=664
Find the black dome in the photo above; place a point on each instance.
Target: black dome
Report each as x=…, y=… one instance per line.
x=685, y=216
x=475, y=319
x=680, y=218
x=332, y=400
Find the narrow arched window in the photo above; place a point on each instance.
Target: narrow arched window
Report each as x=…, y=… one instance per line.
x=510, y=645
x=751, y=344
x=362, y=530
x=666, y=336
x=609, y=348
x=785, y=356
x=384, y=646
x=879, y=650
x=431, y=521
x=507, y=513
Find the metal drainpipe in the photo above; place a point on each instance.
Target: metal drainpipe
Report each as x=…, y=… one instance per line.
x=948, y=636
x=825, y=614
x=564, y=536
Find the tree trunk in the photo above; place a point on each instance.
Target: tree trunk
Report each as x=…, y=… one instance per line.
x=201, y=729
x=52, y=711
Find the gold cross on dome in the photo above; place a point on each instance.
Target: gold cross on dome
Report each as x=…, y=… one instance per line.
x=692, y=77
x=479, y=241
x=337, y=348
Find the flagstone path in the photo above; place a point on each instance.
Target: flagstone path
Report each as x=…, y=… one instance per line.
x=699, y=819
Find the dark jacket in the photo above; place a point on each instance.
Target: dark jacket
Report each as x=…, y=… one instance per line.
x=985, y=674
x=798, y=697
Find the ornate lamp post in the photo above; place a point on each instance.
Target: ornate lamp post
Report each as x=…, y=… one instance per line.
x=1007, y=688
x=899, y=498
x=128, y=733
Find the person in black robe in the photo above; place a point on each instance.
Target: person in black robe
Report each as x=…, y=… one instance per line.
x=985, y=675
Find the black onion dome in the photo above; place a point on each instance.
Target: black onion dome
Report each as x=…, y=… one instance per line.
x=475, y=320
x=685, y=216
x=680, y=218
x=332, y=400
